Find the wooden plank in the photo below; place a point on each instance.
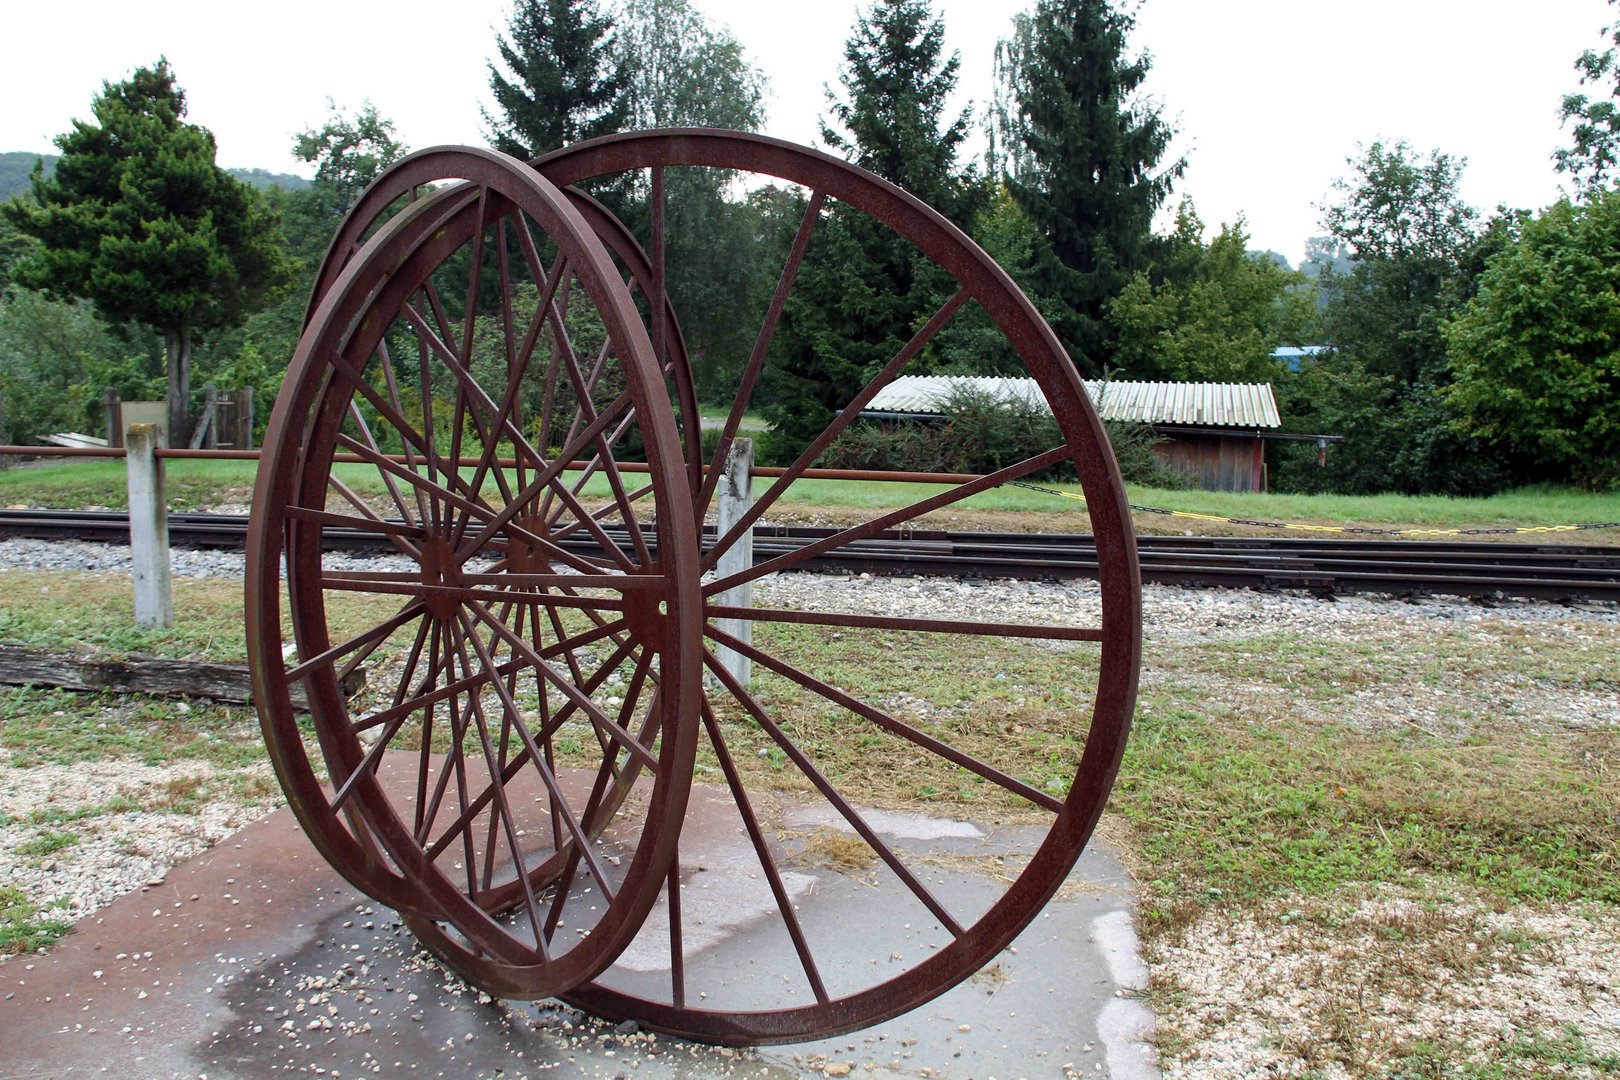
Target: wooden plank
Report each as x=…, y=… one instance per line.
x=21, y=665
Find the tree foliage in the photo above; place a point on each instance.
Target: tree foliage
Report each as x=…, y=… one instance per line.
x=348, y=153
x=1414, y=248
x=1097, y=172
x=1217, y=318
x=564, y=79
x=863, y=292
x=1594, y=121
x=140, y=221
x=891, y=117
x=1535, y=354
x=56, y=357
x=685, y=72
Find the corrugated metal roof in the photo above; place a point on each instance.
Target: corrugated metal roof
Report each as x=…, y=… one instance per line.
x=1248, y=405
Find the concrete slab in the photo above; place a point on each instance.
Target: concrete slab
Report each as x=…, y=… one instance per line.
x=257, y=960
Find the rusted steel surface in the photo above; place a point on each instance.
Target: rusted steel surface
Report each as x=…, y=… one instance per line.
x=441, y=356
x=487, y=638
x=691, y=1002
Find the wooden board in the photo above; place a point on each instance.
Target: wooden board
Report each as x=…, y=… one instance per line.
x=21, y=665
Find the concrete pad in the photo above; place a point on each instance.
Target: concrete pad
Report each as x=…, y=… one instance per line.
x=257, y=960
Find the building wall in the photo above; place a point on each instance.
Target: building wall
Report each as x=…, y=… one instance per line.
x=1216, y=462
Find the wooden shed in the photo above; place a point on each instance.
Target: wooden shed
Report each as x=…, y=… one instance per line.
x=1213, y=432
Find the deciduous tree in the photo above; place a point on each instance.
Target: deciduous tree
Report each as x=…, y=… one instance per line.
x=1594, y=151
x=687, y=72
x=1535, y=355
x=1218, y=318
x=1414, y=248
x=348, y=153
x=139, y=220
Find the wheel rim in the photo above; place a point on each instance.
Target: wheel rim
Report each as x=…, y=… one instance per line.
x=683, y=1006
x=479, y=641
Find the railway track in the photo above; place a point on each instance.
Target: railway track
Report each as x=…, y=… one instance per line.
x=1321, y=565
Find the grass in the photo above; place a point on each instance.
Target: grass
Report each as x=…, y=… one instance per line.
x=61, y=727
x=198, y=483
x=24, y=926
x=1229, y=810
x=1238, y=795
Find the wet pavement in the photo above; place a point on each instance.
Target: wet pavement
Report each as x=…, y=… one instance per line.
x=257, y=960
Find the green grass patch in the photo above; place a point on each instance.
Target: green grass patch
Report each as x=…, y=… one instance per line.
x=198, y=483
x=1227, y=809
x=61, y=727
x=46, y=843
x=1329, y=669
x=23, y=926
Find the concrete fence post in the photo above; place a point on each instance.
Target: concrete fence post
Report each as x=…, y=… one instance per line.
x=736, y=497
x=114, y=413
x=149, y=529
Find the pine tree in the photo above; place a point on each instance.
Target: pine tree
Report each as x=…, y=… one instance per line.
x=140, y=221
x=563, y=81
x=1098, y=175
x=863, y=291
x=896, y=81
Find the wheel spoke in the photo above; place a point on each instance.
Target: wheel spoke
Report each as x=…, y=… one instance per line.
x=372, y=524
x=595, y=715
x=887, y=622
x=412, y=610
x=887, y=722
x=885, y=521
x=387, y=364
x=545, y=477
x=762, y=345
x=353, y=498
x=830, y=793
x=767, y=863
x=549, y=727
x=850, y=412
x=537, y=758
x=503, y=807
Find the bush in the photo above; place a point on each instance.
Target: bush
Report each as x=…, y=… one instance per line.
x=979, y=432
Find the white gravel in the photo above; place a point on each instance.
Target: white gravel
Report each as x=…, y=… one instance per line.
x=123, y=833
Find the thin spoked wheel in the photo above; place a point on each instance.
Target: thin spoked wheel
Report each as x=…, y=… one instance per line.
x=830, y=873
x=475, y=386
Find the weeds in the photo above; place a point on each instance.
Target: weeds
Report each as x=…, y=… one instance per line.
x=23, y=927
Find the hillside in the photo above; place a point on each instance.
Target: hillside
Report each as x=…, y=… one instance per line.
x=15, y=165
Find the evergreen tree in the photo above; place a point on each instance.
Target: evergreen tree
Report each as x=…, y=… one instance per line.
x=1096, y=156
x=863, y=292
x=896, y=81
x=564, y=78
x=140, y=221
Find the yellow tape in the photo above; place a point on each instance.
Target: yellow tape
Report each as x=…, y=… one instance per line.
x=1506, y=530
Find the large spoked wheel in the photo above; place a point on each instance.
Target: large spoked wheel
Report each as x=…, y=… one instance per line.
x=475, y=385
x=753, y=942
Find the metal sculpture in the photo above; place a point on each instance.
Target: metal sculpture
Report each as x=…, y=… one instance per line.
x=484, y=342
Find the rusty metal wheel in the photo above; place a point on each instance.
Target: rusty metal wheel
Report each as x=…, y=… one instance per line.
x=475, y=385
x=797, y=908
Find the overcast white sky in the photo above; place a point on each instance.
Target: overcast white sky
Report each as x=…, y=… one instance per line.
x=1271, y=95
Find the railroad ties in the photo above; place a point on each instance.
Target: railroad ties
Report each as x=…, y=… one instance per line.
x=1327, y=566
